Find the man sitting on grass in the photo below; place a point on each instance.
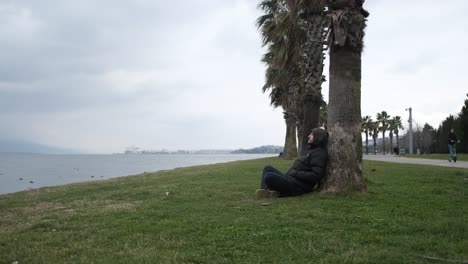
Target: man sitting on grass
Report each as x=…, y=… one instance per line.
x=303, y=176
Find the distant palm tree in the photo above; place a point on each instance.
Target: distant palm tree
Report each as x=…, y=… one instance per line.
x=374, y=133
x=383, y=117
x=366, y=123
x=397, y=126
x=391, y=128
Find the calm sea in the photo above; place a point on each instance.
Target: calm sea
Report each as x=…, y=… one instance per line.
x=20, y=172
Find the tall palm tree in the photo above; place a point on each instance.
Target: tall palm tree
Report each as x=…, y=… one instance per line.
x=276, y=83
x=397, y=126
x=275, y=76
x=281, y=33
x=366, y=122
x=313, y=21
x=383, y=118
x=294, y=104
x=297, y=27
x=344, y=108
x=305, y=25
x=289, y=28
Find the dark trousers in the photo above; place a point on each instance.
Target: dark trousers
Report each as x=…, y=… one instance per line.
x=275, y=180
x=452, y=151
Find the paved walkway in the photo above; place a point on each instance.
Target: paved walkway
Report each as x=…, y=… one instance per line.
x=433, y=162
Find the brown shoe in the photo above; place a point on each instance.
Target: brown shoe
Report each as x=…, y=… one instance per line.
x=266, y=194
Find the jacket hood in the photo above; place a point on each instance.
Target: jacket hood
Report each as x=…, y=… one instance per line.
x=320, y=137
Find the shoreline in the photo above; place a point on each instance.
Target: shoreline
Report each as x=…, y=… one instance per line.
x=110, y=169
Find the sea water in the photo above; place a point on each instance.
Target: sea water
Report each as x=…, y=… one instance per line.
x=20, y=172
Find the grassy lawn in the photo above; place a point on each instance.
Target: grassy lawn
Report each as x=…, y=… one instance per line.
x=460, y=156
x=207, y=214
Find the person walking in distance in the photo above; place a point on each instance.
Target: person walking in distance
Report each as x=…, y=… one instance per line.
x=452, y=145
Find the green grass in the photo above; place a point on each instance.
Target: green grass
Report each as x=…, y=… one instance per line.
x=438, y=156
x=211, y=216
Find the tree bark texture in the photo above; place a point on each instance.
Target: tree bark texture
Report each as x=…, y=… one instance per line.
x=367, y=143
x=383, y=135
x=397, y=141
x=299, y=138
x=292, y=110
x=344, y=123
x=391, y=143
x=344, y=173
x=311, y=121
x=313, y=58
x=375, y=146
x=290, y=147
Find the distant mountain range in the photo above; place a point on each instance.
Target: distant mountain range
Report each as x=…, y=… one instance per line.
x=269, y=149
x=17, y=146
x=202, y=151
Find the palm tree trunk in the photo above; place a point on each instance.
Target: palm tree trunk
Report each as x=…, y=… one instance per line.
x=294, y=99
x=375, y=146
x=344, y=172
x=344, y=122
x=290, y=148
x=300, y=119
x=397, y=141
x=300, y=128
x=313, y=57
x=292, y=111
x=383, y=134
x=367, y=143
x=391, y=143
x=310, y=121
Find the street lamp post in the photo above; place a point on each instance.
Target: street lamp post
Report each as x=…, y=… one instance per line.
x=410, y=121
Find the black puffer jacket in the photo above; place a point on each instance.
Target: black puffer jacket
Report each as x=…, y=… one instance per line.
x=308, y=170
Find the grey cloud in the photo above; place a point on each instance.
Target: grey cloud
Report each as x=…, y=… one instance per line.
x=71, y=95
x=90, y=36
x=78, y=43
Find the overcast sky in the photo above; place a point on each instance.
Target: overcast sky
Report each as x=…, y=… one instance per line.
x=99, y=76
